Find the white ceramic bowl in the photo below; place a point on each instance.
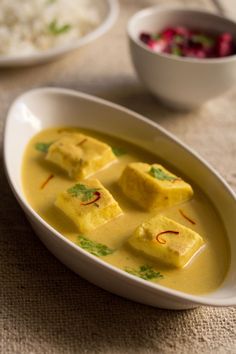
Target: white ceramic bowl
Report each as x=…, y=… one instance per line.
x=181, y=82
x=109, y=10
x=43, y=108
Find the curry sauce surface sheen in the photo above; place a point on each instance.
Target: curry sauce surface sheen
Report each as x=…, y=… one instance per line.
x=202, y=275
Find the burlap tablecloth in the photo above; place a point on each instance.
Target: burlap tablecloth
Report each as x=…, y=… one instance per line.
x=45, y=308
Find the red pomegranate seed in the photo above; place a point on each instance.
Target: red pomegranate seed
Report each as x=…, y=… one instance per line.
x=168, y=33
x=224, y=49
x=158, y=46
x=145, y=37
x=226, y=37
x=182, y=31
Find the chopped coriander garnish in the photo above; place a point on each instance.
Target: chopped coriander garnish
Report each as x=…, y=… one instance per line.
x=95, y=248
x=158, y=173
x=43, y=147
x=155, y=37
x=204, y=40
x=176, y=51
x=80, y=190
x=55, y=29
x=145, y=272
x=118, y=151
x=178, y=39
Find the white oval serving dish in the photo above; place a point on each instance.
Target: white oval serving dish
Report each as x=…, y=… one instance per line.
x=48, y=107
x=110, y=11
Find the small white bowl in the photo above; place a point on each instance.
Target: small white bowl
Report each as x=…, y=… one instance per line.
x=181, y=82
x=109, y=10
x=50, y=107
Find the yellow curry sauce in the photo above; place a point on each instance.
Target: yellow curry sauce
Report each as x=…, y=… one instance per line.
x=43, y=181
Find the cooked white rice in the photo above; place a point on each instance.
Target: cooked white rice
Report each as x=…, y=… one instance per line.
x=29, y=26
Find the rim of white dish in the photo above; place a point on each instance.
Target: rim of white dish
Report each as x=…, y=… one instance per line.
x=194, y=299
x=157, y=9
x=103, y=27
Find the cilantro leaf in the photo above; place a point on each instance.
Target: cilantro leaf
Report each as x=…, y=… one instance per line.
x=156, y=37
x=158, y=173
x=118, y=151
x=178, y=39
x=95, y=248
x=176, y=50
x=55, y=29
x=83, y=192
x=206, y=41
x=145, y=272
x=43, y=147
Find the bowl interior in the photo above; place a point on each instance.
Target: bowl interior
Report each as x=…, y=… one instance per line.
x=156, y=18
x=45, y=108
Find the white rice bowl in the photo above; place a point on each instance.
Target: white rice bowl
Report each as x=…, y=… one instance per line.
x=33, y=26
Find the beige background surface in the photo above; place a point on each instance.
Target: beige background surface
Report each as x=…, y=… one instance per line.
x=45, y=308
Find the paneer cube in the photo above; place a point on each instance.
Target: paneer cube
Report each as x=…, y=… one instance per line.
x=88, y=204
x=80, y=155
x=166, y=241
x=152, y=186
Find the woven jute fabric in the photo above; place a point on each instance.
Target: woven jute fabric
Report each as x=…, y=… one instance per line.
x=45, y=308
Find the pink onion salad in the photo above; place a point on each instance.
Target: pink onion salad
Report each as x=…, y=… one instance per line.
x=184, y=42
